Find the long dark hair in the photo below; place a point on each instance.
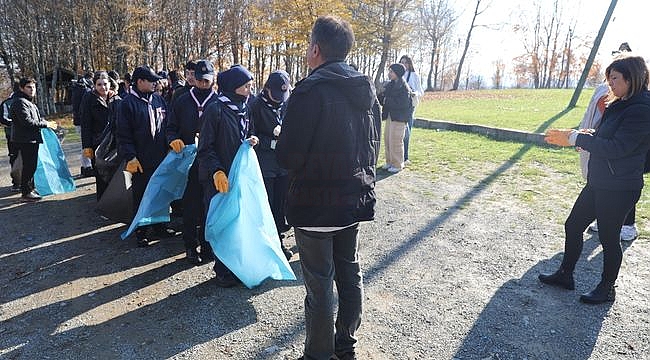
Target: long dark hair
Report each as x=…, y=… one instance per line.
x=634, y=70
x=409, y=63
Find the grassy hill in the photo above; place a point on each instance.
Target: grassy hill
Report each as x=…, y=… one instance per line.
x=520, y=109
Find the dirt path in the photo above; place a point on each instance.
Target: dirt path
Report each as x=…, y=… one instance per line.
x=450, y=271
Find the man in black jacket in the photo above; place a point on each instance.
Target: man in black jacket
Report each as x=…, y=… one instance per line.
x=142, y=143
x=329, y=140
x=26, y=134
x=185, y=120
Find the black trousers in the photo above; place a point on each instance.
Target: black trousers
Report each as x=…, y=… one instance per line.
x=100, y=184
x=139, y=183
x=12, y=152
x=29, y=153
x=194, y=212
x=276, y=191
x=610, y=208
x=208, y=193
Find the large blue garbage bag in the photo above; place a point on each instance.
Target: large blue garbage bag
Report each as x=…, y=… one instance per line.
x=167, y=184
x=52, y=175
x=240, y=225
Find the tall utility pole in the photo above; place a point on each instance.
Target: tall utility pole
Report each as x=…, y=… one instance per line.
x=592, y=55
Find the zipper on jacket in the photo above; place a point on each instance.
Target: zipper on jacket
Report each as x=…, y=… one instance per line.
x=609, y=165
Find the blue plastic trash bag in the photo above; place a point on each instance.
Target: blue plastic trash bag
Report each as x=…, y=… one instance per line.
x=240, y=225
x=167, y=184
x=52, y=175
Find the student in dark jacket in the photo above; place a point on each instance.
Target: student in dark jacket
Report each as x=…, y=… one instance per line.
x=397, y=110
x=226, y=126
x=328, y=144
x=142, y=142
x=185, y=120
x=6, y=123
x=190, y=66
x=26, y=134
x=618, y=151
x=266, y=111
x=99, y=107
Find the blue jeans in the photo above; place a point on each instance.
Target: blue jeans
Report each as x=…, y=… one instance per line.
x=325, y=258
x=407, y=135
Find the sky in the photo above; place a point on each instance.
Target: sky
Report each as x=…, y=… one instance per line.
x=628, y=24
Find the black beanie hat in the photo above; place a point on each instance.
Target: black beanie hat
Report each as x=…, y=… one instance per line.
x=398, y=69
x=231, y=79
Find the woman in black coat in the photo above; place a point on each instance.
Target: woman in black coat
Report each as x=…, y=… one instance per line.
x=397, y=110
x=618, y=151
x=98, y=109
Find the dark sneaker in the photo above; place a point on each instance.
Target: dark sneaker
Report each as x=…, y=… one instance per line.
x=163, y=231
x=206, y=255
x=31, y=196
x=144, y=242
x=87, y=172
x=559, y=279
x=192, y=256
x=347, y=356
x=226, y=281
x=15, y=188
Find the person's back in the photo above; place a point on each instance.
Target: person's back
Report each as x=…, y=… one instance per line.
x=328, y=144
x=334, y=103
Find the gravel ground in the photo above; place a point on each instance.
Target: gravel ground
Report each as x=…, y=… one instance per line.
x=450, y=271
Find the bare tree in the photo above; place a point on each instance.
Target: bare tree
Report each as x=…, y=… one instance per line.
x=438, y=20
x=477, y=12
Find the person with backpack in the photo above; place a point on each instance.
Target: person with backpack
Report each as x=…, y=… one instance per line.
x=397, y=110
x=413, y=80
x=98, y=108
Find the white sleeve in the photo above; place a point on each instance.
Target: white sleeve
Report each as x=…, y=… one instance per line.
x=415, y=84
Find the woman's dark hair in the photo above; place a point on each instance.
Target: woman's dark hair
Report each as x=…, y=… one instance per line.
x=26, y=80
x=407, y=62
x=333, y=36
x=100, y=75
x=634, y=70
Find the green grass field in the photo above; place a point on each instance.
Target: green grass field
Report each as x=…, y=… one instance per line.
x=520, y=109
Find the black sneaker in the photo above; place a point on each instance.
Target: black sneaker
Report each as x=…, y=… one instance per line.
x=15, y=188
x=192, y=256
x=226, y=281
x=31, y=196
x=164, y=231
x=287, y=252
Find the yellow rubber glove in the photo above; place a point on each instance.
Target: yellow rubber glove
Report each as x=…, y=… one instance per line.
x=89, y=153
x=220, y=181
x=559, y=137
x=133, y=166
x=177, y=145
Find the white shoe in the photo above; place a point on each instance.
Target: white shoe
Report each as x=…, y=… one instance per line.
x=386, y=166
x=393, y=170
x=594, y=226
x=407, y=162
x=629, y=232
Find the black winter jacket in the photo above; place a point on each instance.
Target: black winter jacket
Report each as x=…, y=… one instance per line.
x=618, y=148
x=265, y=120
x=328, y=143
x=26, y=120
x=183, y=121
x=96, y=114
x=134, y=130
x=396, y=101
x=219, y=140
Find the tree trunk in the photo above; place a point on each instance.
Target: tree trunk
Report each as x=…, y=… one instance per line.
x=467, y=41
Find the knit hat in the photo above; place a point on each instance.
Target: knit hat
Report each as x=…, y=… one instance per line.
x=278, y=85
x=231, y=79
x=398, y=69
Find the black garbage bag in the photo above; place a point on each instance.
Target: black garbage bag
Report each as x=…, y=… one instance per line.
x=117, y=201
x=106, y=159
